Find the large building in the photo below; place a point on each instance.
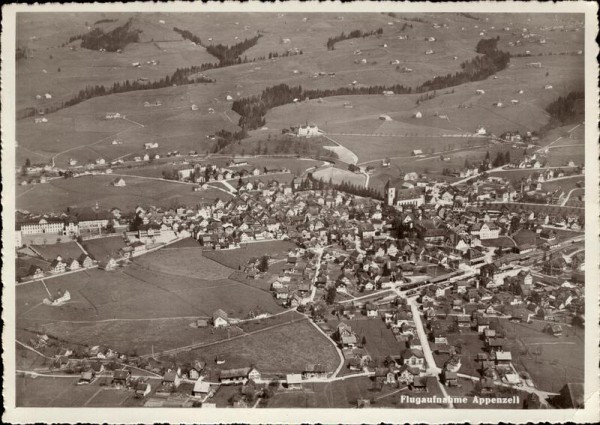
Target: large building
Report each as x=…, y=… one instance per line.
x=404, y=197
x=309, y=130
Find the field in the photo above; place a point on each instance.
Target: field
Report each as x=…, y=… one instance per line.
x=235, y=258
x=102, y=248
x=284, y=349
x=338, y=176
x=65, y=250
x=339, y=394
x=565, y=184
x=64, y=392
x=183, y=262
x=550, y=361
x=82, y=133
x=150, y=302
x=60, y=194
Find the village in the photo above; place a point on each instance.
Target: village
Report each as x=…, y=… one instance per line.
x=430, y=263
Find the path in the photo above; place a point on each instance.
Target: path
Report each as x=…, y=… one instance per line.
x=564, y=202
x=351, y=157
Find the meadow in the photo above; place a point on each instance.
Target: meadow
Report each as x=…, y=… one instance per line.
x=65, y=250
x=58, y=195
x=284, y=349
x=236, y=258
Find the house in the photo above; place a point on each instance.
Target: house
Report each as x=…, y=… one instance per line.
x=220, y=319
x=407, y=374
x=254, y=374
x=234, y=376
x=294, y=381
x=108, y=264
x=201, y=388
x=171, y=379
x=419, y=384
x=142, y=389
x=413, y=357
x=85, y=261
x=314, y=371
x=121, y=377
x=87, y=377
x=503, y=358
x=450, y=379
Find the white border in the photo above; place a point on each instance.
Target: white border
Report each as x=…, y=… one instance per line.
x=136, y=415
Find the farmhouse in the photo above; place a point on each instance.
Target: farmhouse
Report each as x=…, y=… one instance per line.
x=201, y=388
x=294, y=381
x=234, y=376
x=418, y=115
x=220, y=319
x=112, y=115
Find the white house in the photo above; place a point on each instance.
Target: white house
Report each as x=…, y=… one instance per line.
x=119, y=182
x=308, y=130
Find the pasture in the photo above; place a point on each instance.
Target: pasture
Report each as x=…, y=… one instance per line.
x=58, y=195
x=551, y=361
x=566, y=184
x=102, y=248
x=65, y=250
x=236, y=258
x=338, y=176
x=286, y=348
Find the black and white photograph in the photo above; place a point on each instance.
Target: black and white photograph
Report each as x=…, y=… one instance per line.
x=270, y=208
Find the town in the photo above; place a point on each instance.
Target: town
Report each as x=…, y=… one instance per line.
x=303, y=226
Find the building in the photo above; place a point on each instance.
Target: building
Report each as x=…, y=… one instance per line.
x=220, y=319
x=119, y=182
x=309, y=130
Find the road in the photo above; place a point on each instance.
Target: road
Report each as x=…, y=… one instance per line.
x=564, y=202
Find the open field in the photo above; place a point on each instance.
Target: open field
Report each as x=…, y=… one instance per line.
x=175, y=126
x=339, y=394
x=235, y=258
x=85, y=191
x=187, y=262
x=102, y=248
x=116, y=305
x=65, y=250
x=284, y=349
x=565, y=184
x=338, y=176
x=551, y=361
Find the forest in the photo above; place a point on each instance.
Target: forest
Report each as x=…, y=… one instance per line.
x=353, y=34
x=476, y=69
x=111, y=41
x=319, y=184
x=564, y=109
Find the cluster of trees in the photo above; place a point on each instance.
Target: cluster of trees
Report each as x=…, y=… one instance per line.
x=563, y=109
x=230, y=55
x=426, y=96
x=501, y=159
x=476, y=69
x=111, y=41
x=252, y=110
x=104, y=21
x=353, y=34
x=352, y=189
x=225, y=138
x=188, y=35
x=285, y=54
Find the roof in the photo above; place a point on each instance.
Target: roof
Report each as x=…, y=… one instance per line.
x=235, y=373
x=293, y=378
x=219, y=313
x=121, y=374
x=503, y=355
x=201, y=386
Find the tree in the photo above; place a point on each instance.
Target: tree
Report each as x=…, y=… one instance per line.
x=364, y=341
x=263, y=266
x=330, y=295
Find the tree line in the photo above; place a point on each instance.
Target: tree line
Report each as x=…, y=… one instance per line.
x=476, y=69
x=252, y=110
x=353, y=34
x=563, y=108
x=310, y=182
x=227, y=55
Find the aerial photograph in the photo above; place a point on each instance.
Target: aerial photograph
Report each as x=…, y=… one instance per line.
x=300, y=210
